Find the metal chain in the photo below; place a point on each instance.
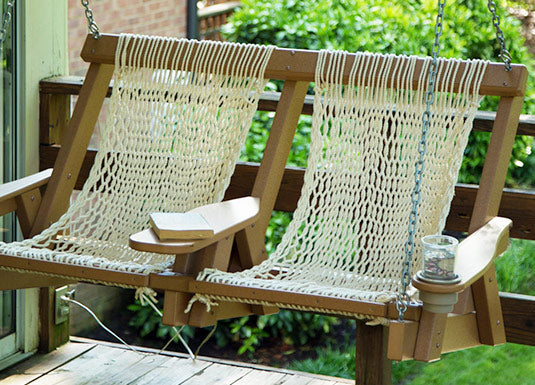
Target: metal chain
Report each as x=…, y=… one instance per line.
x=91, y=25
x=504, y=55
x=403, y=298
x=6, y=20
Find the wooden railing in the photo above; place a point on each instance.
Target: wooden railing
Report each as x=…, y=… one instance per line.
x=518, y=205
x=212, y=17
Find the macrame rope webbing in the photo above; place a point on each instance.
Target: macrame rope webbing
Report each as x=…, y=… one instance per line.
x=347, y=235
x=170, y=143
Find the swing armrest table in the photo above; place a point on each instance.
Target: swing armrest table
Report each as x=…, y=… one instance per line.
x=475, y=255
x=226, y=218
x=9, y=192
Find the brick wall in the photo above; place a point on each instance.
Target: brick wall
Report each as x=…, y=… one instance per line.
x=150, y=17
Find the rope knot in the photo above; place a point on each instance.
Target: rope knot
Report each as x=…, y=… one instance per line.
x=204, y=299
x=146, y=295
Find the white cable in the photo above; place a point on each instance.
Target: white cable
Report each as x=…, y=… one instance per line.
x=177, y=332
x=99, y=322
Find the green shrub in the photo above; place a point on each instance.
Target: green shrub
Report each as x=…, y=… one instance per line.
x=405, y=27
x=294, y=328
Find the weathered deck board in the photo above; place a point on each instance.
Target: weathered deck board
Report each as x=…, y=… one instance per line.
x=41, y=364
x=84, y=363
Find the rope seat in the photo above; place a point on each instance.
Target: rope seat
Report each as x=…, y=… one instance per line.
x=170, y=143
x=348, y=232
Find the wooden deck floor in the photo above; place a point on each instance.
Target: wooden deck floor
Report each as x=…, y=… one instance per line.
x=92, y=363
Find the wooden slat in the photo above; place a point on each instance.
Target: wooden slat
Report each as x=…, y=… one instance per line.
x=82, y=273
x=518, y=205
x=16, y=188
x=519, y=318
x=275, y=296
x=300, y=65
x=11, y=280
x=483, y=120
x=372, y=367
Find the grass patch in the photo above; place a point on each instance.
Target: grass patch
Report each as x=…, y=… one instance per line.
x=501, y=365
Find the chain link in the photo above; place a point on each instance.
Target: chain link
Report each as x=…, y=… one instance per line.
x=91, y=25
x=403, y=299
x=504, y=55
x=6, y=20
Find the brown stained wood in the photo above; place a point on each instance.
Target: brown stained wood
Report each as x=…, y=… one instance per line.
x=483, y=120
x=27, y=206
x=75, y=272
x=290, y=298
x=372, y=367
x=226, y=218
x=300, y=65
x=11, y=280
x=7, y=206
x=250, y=241
x=430, y=335
x=496, y=162
x=174, y=304
x=401, y=340
x=461, y=333
x=475, y=255
x=488, y=309
x=54, y=116
x=76, y=140
x=486, y=206
x=20, y=186
x=519, y=318
x=51, y=335
x=465, y=303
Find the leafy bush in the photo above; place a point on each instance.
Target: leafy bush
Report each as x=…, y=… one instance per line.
x=405, y=27
x=294, y=328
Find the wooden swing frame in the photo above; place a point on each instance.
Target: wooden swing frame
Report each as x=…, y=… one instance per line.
x=476, y=317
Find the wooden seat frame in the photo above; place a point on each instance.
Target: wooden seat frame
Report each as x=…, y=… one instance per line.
x=452, y=317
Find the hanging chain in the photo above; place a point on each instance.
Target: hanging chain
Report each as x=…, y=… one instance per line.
x=403, y=299
x=91, y=25
x=6, y=20
x=504, y=55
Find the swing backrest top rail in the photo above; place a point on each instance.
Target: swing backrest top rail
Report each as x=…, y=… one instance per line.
x=300, y=65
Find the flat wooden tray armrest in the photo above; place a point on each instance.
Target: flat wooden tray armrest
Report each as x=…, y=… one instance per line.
x=475, y=255
x=11, y=190
x=226, y=218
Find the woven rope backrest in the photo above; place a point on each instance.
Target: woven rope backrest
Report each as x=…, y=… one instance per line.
x=170, y=143
x=347, y=235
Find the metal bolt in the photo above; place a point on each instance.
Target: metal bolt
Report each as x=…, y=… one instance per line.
x=293, y=52
x=437, y=345
x=490, y=279
x=69, y=175
x=32, y=198
x=498, y=322
x=287, y=68
x=438, y=332
x=252, y=226
x=504, y=83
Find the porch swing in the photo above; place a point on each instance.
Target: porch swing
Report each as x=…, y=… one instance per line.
x=178, y=106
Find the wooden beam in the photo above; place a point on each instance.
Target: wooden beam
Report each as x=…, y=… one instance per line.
x=519, y=318
x=483, y=121
x=300, y=65
x=372, y=367
x=71, y=155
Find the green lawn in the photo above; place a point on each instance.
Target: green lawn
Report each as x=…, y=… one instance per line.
x=509, y=364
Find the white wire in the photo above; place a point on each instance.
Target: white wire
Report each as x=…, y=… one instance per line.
x=177, y=332
x=99, y=322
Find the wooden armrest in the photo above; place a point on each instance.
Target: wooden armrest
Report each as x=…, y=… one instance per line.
x=475, y=255
x=11, y=190
x=226, y=218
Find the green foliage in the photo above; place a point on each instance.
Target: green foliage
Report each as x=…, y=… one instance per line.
x=294, y=328
x=515, y=269
x=499, y=365
x=405, y=27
